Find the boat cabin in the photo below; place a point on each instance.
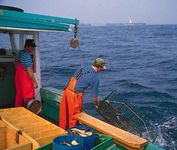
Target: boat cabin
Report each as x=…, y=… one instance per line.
x=15, y=27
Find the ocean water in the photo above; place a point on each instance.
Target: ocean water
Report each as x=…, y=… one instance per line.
x=142, y=66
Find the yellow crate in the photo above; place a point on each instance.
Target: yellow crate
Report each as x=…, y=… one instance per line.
x=9, y=139
x=36, y=129
x=41, y=128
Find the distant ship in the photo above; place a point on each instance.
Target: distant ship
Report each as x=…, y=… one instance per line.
x=133, y=23
x=130, y=22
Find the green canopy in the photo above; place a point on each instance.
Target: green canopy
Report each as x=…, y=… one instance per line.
x=27, y=21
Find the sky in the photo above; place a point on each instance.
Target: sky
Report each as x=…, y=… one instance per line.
x=103, y=11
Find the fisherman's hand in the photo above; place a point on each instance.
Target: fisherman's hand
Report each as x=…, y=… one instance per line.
x=31, y=75
x=96, y=101
x=35, y=84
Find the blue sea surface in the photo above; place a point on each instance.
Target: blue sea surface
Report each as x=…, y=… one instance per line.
x=142, y=66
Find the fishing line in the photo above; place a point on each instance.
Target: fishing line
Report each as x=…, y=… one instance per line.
x=82, y=55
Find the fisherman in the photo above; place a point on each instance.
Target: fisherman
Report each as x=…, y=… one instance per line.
x=25, y=81
x=73, y=94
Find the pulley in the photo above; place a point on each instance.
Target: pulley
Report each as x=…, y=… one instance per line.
x=74, y=41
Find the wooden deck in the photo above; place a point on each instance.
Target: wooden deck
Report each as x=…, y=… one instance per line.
x=124, y=138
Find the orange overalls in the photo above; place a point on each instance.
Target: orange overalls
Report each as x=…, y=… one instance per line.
x=70, y=105
x=24, y=87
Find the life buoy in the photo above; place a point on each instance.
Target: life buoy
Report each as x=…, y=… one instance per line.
x=11, y=8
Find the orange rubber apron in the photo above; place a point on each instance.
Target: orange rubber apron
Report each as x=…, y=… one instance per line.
x=24, y=87
x=70, y=105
